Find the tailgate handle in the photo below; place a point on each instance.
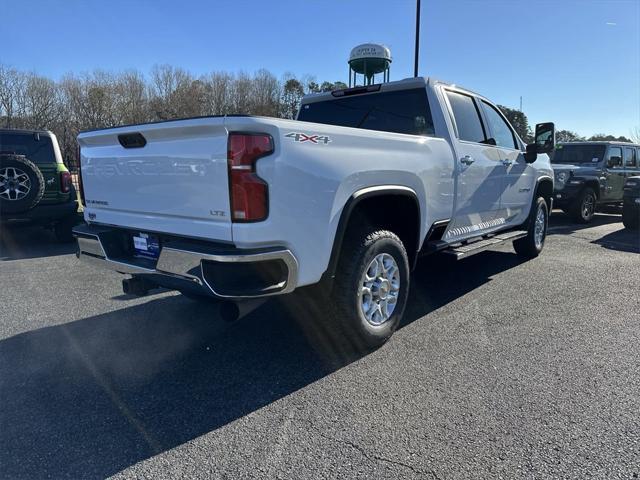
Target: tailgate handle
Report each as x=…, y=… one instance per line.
x=132, y=140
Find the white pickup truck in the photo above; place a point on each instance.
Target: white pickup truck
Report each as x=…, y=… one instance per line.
x=347, y=196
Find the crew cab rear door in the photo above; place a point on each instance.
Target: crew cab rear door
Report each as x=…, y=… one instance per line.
x=518, y=177
x=478, y=170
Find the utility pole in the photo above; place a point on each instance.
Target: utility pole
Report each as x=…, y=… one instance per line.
x=520, y=102
x=415, y=65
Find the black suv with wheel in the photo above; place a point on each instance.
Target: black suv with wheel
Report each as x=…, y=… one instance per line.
x=592, y=174
x=631, y=203
x=35, y=186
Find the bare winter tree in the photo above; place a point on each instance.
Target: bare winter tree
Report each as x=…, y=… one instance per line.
x=240, y=97
x=40, y=102
x=102, y=99
x=218, y=87
x=131, y=95
x=265, y=94
x=12, y=86
x=168, y=89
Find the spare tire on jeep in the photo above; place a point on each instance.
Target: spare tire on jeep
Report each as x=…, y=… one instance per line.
x=21, y=184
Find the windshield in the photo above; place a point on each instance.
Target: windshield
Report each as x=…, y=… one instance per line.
x=38, y=151
x=401, y=111
x=578, y=154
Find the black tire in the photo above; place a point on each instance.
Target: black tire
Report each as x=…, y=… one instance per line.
x=362, y=246
x=35, y=184
x=584, y=207
x=631, y=217
x=528, y=247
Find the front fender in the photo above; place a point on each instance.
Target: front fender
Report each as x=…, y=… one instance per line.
x=586, y=180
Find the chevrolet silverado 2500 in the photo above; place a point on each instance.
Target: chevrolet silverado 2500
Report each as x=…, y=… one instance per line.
x=347, y=196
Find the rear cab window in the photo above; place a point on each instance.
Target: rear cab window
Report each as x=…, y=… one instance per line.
x=39, y=151
x=467, y=117
x=399, y=111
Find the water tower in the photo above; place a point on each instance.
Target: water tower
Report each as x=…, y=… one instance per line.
x=367, y=60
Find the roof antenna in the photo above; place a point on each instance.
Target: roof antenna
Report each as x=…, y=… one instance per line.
x=415, y=65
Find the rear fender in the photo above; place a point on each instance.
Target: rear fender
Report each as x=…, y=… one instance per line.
x=350, y=207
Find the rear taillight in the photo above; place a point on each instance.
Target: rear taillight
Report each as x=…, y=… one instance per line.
x=248, y=193
x=65, y=182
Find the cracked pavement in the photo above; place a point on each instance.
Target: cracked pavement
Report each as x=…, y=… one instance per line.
x=502, y=369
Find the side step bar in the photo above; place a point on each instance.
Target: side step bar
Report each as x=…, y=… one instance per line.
x=467, y=249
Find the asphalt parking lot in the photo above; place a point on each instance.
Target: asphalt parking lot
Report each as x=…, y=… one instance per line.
x=502, y=369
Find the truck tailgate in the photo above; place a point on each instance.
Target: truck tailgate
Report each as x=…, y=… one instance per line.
x=177, y=182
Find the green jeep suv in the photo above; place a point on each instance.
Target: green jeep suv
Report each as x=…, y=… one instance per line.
x=35, y=186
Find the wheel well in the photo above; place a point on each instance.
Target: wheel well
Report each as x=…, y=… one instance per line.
x=397, y=211
x=594, y=185
x=545, y=190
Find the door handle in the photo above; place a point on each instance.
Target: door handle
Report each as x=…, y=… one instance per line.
x=467, y=160
x=507, y=163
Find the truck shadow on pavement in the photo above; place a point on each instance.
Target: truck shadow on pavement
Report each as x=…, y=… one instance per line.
x=605, y=229
x=89, y=398
x=18, y=242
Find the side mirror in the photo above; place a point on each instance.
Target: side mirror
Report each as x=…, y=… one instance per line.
x=545, y=137
x=532, y=153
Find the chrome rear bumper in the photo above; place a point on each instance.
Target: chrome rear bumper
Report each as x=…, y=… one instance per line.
x=182, y=260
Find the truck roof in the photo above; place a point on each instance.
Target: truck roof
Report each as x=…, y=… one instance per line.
x=21, y=130
x=404, y=84
x=601, y=142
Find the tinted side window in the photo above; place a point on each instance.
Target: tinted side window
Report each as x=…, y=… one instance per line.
x=629, y=157
x=614, y=157
x=401, y=111
x=467, y=117
x=500, y=131
x=578, y=153
x=38, y=151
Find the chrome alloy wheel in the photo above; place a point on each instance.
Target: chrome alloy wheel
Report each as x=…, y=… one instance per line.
x=14, y=184
x=588, y=206
x=539, y=227
x=379, y=289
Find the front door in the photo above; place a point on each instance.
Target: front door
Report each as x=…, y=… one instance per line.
x=518, y=177
x=614, y=174
x=478, y=172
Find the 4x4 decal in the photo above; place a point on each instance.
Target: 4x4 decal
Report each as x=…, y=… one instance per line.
x=303, y=137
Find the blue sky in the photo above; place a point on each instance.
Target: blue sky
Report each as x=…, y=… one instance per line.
x=575, y=62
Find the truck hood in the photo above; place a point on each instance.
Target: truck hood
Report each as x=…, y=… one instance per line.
x=582, y=168
x=564, y=171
